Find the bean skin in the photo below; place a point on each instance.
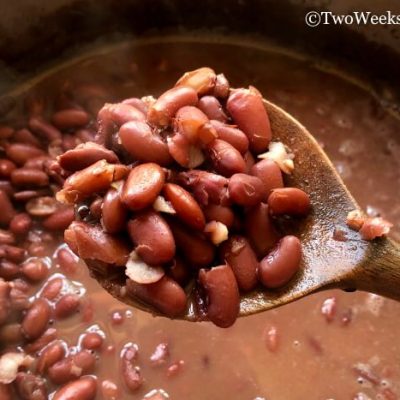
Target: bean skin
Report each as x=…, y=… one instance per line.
x=93, y=243
x=259, y=229
x=221, y=89
x=280, y=265
x=35, y=270
x=186, y=207
x=246, y=190
x=211, y=107
x=143, y=144
x=166, y=106
x=4, y=301
x=153, y=238
x=27, y=137
x=202, y=80
x=41, y=127
x=249, y=160
x=6, y=167
x=215, y=212
x=82, y=389
x=84, y=155
x=143, y=185
x=188, y=122
x=67, y=306
x=270, y=175
x=49, y=356
x=36, y=319
x=239, y=255
x=197, y=251
x=165, y=295
x=225, y=158
x=5, y=390
x=114, y=213
x=206, y=187
x=52, y=288
x=92, y=341
x=137, y=103
x=248, y=112
x=232, y=135
x=21, y=224
x=290, y=201
x=29, y=387
x=222, y=293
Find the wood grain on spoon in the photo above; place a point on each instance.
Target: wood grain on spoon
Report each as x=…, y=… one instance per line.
x=351, y=264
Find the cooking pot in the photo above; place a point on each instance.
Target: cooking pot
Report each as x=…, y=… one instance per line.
x=34, y=33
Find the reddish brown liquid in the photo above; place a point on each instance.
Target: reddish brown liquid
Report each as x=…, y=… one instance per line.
x=286, y=354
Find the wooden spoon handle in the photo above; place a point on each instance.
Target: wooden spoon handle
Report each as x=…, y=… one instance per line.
x=380, y=272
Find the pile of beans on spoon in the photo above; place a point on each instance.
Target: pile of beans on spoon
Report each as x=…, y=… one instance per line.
x=185, y=188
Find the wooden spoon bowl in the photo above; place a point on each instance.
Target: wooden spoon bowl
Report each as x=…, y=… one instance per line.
x=329, y=260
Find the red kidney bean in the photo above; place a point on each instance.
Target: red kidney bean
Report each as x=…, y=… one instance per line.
x=279, y=266
x=39, y=126
x=192, y=123
x=72, y=367
x=291, y=201
x=7, y=209
x=10, y=334
x=26, y=136
x=25, y=177
x=6, y=167
x=67, y=306
x=12, y=253
x=239, y=255
x=165, y=295
x=6, y=132
x=222, y=295
x=143, y=185
x=259, y=229
x=36, y=319
x=205, y=186
x=248, y=112
x=5, y=390
x=42, y=206
x=20, y=224
x=7, y=188
x=130, y=373
x=33, y=196
x=114, y=213
x=37, y=250
x=232, y=135
x=35, y=270
x=69, y=142
x=183, y=152
x=60, y=219
x=8, y=270
x=6, y=237
x=221, y=88
x=30, y=387
x=186, y=207
x=81, y=389
x=48, y=336
x=215, y=212
x=197, y=251
x=20, y=153
x=92, y=341
x=84, y=155
x=246, y=190
x=143, y=144
x=212, y=108
x=95, y=244
x=270, y=175
x=166, y=106
x=202, y=80
x=225, y=158
x=4, y=301
x=51, y=354
x=95, y=178
x=52, y=289
x=179, y=271
x=96, y=207
x=69, y=119
x=153, y=238
x=137, y=103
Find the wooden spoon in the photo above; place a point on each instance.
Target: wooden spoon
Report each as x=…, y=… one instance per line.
x=354, y=264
